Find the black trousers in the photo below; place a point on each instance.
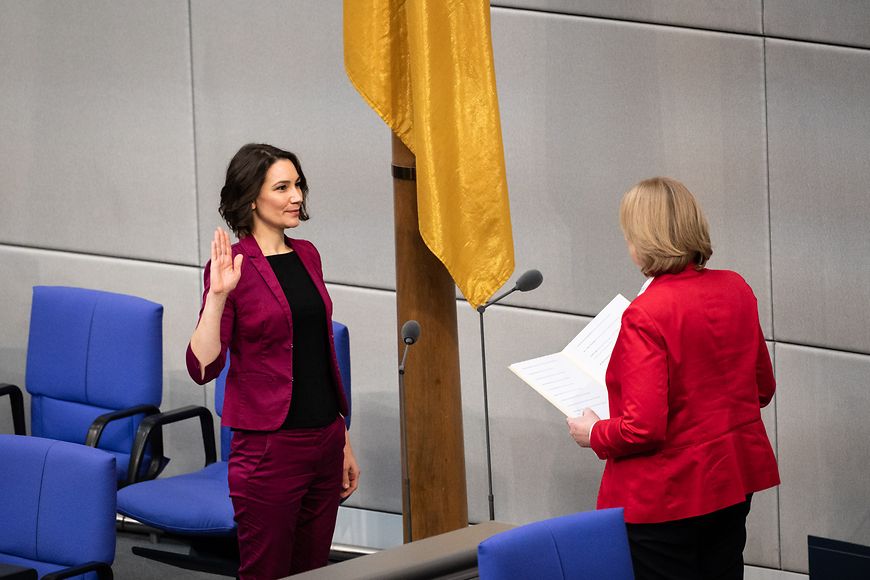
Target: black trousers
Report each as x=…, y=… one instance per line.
x=708, y=547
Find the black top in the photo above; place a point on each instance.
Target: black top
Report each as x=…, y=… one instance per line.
x=314, y=402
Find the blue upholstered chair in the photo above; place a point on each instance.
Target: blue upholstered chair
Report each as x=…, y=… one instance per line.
x=195, y=507
x=586, y=545
x=57, y=507
x=94, y=369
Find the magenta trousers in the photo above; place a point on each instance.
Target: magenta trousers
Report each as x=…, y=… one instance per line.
x=285, y=486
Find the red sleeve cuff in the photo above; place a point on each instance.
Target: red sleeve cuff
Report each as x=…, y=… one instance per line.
x=595, y=441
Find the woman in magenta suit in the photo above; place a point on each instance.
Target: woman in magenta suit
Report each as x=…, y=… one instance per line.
x=265, y=301
x=684, y=446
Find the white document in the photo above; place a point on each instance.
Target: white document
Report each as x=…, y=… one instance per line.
x=573, y=379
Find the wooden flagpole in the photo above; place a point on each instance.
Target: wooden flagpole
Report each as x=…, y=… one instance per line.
x=425, y=292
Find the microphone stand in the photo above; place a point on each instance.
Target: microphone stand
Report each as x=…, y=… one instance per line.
x=529, y=280
x=480, y=310
x=406, y=480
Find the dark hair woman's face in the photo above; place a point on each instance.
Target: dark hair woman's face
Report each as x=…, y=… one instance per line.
x=278, y=205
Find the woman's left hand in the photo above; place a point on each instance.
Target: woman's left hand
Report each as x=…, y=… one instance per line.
x=350, y=476
x=581, y=427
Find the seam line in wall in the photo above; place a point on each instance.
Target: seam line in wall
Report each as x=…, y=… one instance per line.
x=770, y=271
x=767, y=184
x=99, y=255
x=821, y=347
x=388, y=290
x=759, y=35
x=204, y=392
x=193, y=130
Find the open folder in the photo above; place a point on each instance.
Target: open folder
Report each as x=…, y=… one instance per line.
x=573, y=379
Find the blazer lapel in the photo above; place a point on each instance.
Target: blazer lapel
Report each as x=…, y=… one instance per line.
x=261, y=264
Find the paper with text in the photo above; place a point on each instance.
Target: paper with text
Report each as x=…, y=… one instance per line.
x=573, y=379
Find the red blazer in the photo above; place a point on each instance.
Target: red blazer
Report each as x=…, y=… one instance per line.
x=687, y=379
x=257, y=328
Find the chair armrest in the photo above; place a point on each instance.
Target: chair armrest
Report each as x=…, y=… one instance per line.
x=103, y=570
x=95, y=431
x=150, y=430
x=16, y=399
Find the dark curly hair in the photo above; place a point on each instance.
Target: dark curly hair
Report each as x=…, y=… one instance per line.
x=245, y=176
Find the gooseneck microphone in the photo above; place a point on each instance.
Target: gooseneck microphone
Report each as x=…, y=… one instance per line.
x=528, y=280
x=410, y=335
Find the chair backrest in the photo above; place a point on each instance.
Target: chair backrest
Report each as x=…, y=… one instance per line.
x=92, y=352
x=341, y=338
x=58, y=502
x=582, y=545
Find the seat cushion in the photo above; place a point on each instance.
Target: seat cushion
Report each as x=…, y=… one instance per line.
x=193, y=503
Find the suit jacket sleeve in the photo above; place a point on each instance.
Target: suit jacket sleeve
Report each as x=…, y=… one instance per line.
x=642, y=371
x=213, y=369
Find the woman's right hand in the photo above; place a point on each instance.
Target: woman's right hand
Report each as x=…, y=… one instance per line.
x=225, y=271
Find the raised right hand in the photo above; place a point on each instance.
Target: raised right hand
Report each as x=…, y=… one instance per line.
x=225, y=271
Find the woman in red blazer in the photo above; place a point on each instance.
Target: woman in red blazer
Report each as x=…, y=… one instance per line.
x=685, y=445
x=265, y=301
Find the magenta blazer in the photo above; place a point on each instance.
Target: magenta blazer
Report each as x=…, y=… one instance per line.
x=257, y=329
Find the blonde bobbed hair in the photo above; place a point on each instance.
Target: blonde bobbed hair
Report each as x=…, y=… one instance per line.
x=664, y=222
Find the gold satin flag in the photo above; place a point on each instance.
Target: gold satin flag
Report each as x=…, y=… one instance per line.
x=425, y=66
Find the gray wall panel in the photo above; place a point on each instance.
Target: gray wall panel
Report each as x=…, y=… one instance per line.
x=835, y=21
x=762, y=525
x=819, y=125
x=736, y=15
x=97, y=145
x=762, y=530
x=276, y=75
x=822, y=409
x=538, y=470
x=621, y=103
x=370, y=316
x=175, y=287
x=754, y=573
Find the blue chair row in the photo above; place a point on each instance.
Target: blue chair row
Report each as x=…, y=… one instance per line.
x=195, y=508
x=57, y=512
x=94, y=370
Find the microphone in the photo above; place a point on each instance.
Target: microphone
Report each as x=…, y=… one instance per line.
x=528, y=280
x=410, y=335
x=411, y=331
